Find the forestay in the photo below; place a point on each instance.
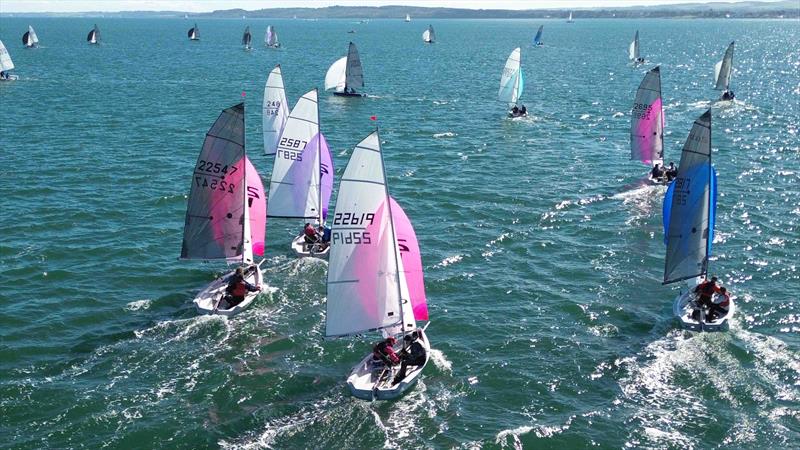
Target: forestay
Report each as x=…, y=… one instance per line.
x=647, y=120
x=354, y=75
x=364, y=268
x=633, y=49
x=218, y=226
x=295, y=184
x=274, y=110
x=689, y=207
x=722, y=70
x=5, y=58
x=511, y=83
x=335, y=78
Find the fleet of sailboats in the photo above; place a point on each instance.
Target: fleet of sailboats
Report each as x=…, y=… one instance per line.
x=512, y=83
x=722, y=74
x=345, y=75
x=429, y=36
x=689, y=216
x=226, y=211
x=647, y=122
x=30, y=39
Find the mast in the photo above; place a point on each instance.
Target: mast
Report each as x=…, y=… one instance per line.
x=394, y=237
x=711, y=187
x=319, y=165
x=245, y=212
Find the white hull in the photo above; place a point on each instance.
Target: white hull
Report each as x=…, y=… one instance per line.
x=684, y=306
x=10, y=78
x=302, y=249
x=364, y=383
x=210, y=296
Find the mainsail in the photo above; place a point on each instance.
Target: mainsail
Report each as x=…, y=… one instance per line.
x=633, y=49
x=722, y=70
x=247, y=37
x=5, y=59
x=537, y=40
x=690, y=207
x=354, y=77
x=94, y=36
x=294, y=189
x=647, y=120
x=271, y=37
x=408, y=18
x=511, y=82
x=225, y=214
x=365, y=270
x=274, y=111
x=429, y=35
x=194, y=33
x=29, y=38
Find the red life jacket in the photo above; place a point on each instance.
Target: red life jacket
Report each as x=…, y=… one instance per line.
x=239, y=290
x=310, y=232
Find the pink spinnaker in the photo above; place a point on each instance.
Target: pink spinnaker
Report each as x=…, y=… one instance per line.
x=326, y=174
x=647, y=120
x=257, y=202
x=412, y=260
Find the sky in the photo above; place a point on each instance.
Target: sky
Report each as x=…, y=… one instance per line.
x=14, y=6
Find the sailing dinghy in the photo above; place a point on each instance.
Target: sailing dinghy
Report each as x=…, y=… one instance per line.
x=429, y=36
x=633, y=50
x=6, y=64
x=194, y=33
x=647, y=124
x=302, y=175
x=722, y=74
x=271, y=37
x=30, y=39
x=375, y=279
x=512, y=84
x=570, y=20
x=345, y=75
x=537, y=40
x=226, y=211
x=93, y=37
x=274, y=111
x=408, y=18
x=689, y=212
x=247, y=38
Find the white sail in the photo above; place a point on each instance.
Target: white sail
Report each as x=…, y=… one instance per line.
x=364, y=287
x=722, y=70
x=5, y=59
x=335, y=78
x=511, y=79
x=31, y=39
x=274, y=111
x=408, y=18
x=354, y=77
x=271, y=37
x=294, y=189
x=429, y=35
x=569, y=20
x=633, y=50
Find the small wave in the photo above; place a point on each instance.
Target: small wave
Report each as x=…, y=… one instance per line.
x=449, y=260
x=138, y=304
x=444, y=135
x=441, y=361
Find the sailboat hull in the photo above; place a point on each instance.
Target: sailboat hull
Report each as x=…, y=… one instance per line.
x=210, y=296
x=684, y=307
x=10, y=78
x=304, y=250
x=349, y=94
x=371, y=381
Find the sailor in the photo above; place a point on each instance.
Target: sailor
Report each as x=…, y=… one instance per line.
x=237, y=289
x=640, y=60
x=523, y=111
x=3, y=75
x=672, y=171
x=384, y=351
x=656, y=173
x=412, y=355
x=310, y=234
x=728, y=95
x=719, y=309
x=515, y=111
x=705, y=291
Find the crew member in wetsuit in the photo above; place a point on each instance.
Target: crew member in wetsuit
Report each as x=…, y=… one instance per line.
x=384, y=351
x=412, y=355
x=672, y=171
x=656, y=173
x=237, y=289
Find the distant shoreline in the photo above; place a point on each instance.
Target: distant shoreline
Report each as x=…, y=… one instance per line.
x=786, y=9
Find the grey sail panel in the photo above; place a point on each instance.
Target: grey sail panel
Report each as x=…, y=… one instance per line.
x=354, y=77
x=723, y=69
x=689, y=228
x=214, y=226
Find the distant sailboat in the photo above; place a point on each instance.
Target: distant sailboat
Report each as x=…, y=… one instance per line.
x=689, y=214
x=512, y=84
x=6, y=64
x=275, y=110
x=194, y=33
x=302, y=176
x=94, y=36
x=345, y=75
x=569, y=20
x=408, y=18
x=429, y=36
x=537, y=40
x=226, y=211
x=271, y=37
x=633, y=50
x=30, y=39
x=247, y=38
x=647, y=123
x=722, y=74
x=375, y=278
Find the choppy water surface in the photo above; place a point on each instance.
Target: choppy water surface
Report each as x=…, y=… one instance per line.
x=543, y=254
